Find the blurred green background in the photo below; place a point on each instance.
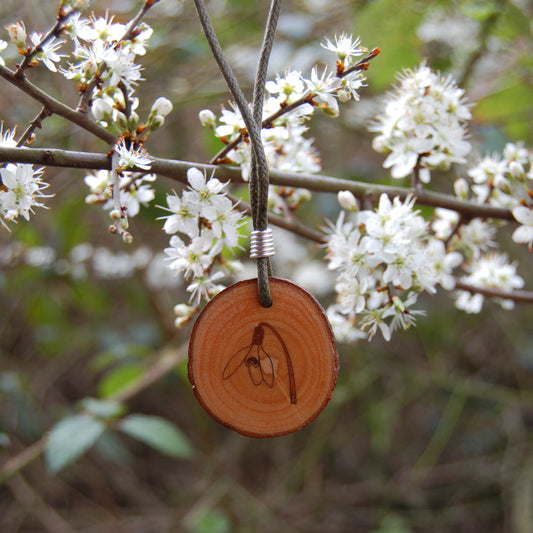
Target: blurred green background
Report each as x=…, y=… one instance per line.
x=432, y=431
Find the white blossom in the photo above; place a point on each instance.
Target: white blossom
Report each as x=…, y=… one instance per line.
x=343, y=326
x=423, y=121
x=184, y=217
x=17, y=33
x=130, y=157
x=3, y=46
x=488, y=271
x=113, y=265
x=47, y=53
x=383, y=258
x=347, y=201
x=289, y=88
x=346, y=47
x=162, y=106
x=524, y=233
x=205, y=287
x=22, y=190
x=7, y=138
x=324, y=88
x=135, y=190
x=202, y=221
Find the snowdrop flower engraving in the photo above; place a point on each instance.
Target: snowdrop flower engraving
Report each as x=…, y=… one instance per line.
x=424, y=122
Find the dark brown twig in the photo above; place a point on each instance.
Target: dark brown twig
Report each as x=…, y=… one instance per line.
x=34, y=124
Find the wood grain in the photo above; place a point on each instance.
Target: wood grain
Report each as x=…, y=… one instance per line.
x=263, y=371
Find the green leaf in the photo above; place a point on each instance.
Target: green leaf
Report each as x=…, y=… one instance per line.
x=118, y=378
x=102, y=408
x=158, y=433
x=211, y=521
x=71, y=438
x=479, y=9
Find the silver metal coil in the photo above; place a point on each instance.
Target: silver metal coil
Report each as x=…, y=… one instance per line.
x=261, y=244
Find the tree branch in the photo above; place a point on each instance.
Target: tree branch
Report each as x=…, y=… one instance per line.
x=517, y=296
x=167, y=360
x=307, y=98
x=34, y=124
x=57, y=107
x=177, y=170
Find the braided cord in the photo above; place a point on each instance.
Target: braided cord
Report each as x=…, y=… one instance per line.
x=259, y=176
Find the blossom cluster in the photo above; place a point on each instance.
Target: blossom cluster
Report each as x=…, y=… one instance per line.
x=21, y=186
x=104, y=51
x=202, y=222
x=422, y=123
x=135, y=190
x=102, y=63
x=289, y=104
x=500, y=180
x=383, y=260
x=504, y=180
x=492, y=270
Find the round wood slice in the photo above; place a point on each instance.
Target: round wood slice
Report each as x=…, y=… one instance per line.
x=263, y=371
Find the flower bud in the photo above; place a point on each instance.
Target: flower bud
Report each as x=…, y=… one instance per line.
x=347, y=200
x=124, y=224
x=207, y=118
x=379, y=144
x=101, y=109
x=112, y=229
x=184, y=313
x=344, y=95
x=133, y=121
x=516, y=169
x=115, y=214
x=502, y=184
x=330, y=110
x=127, y=238
x=398, y=304
x=182, y=310
x=121, y=120
x=162, y=106
x=108, y=193
x=157, y=122
x=460, y=188
x=17, y=33
x=91, y=199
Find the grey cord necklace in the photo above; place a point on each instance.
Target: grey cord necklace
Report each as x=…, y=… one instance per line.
x=262, y=246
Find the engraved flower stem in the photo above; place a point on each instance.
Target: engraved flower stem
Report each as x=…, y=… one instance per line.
x=290, y=368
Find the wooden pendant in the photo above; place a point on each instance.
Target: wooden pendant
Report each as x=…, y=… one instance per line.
x=263, y=371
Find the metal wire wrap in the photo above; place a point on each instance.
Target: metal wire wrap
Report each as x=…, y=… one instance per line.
x=261, y=244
